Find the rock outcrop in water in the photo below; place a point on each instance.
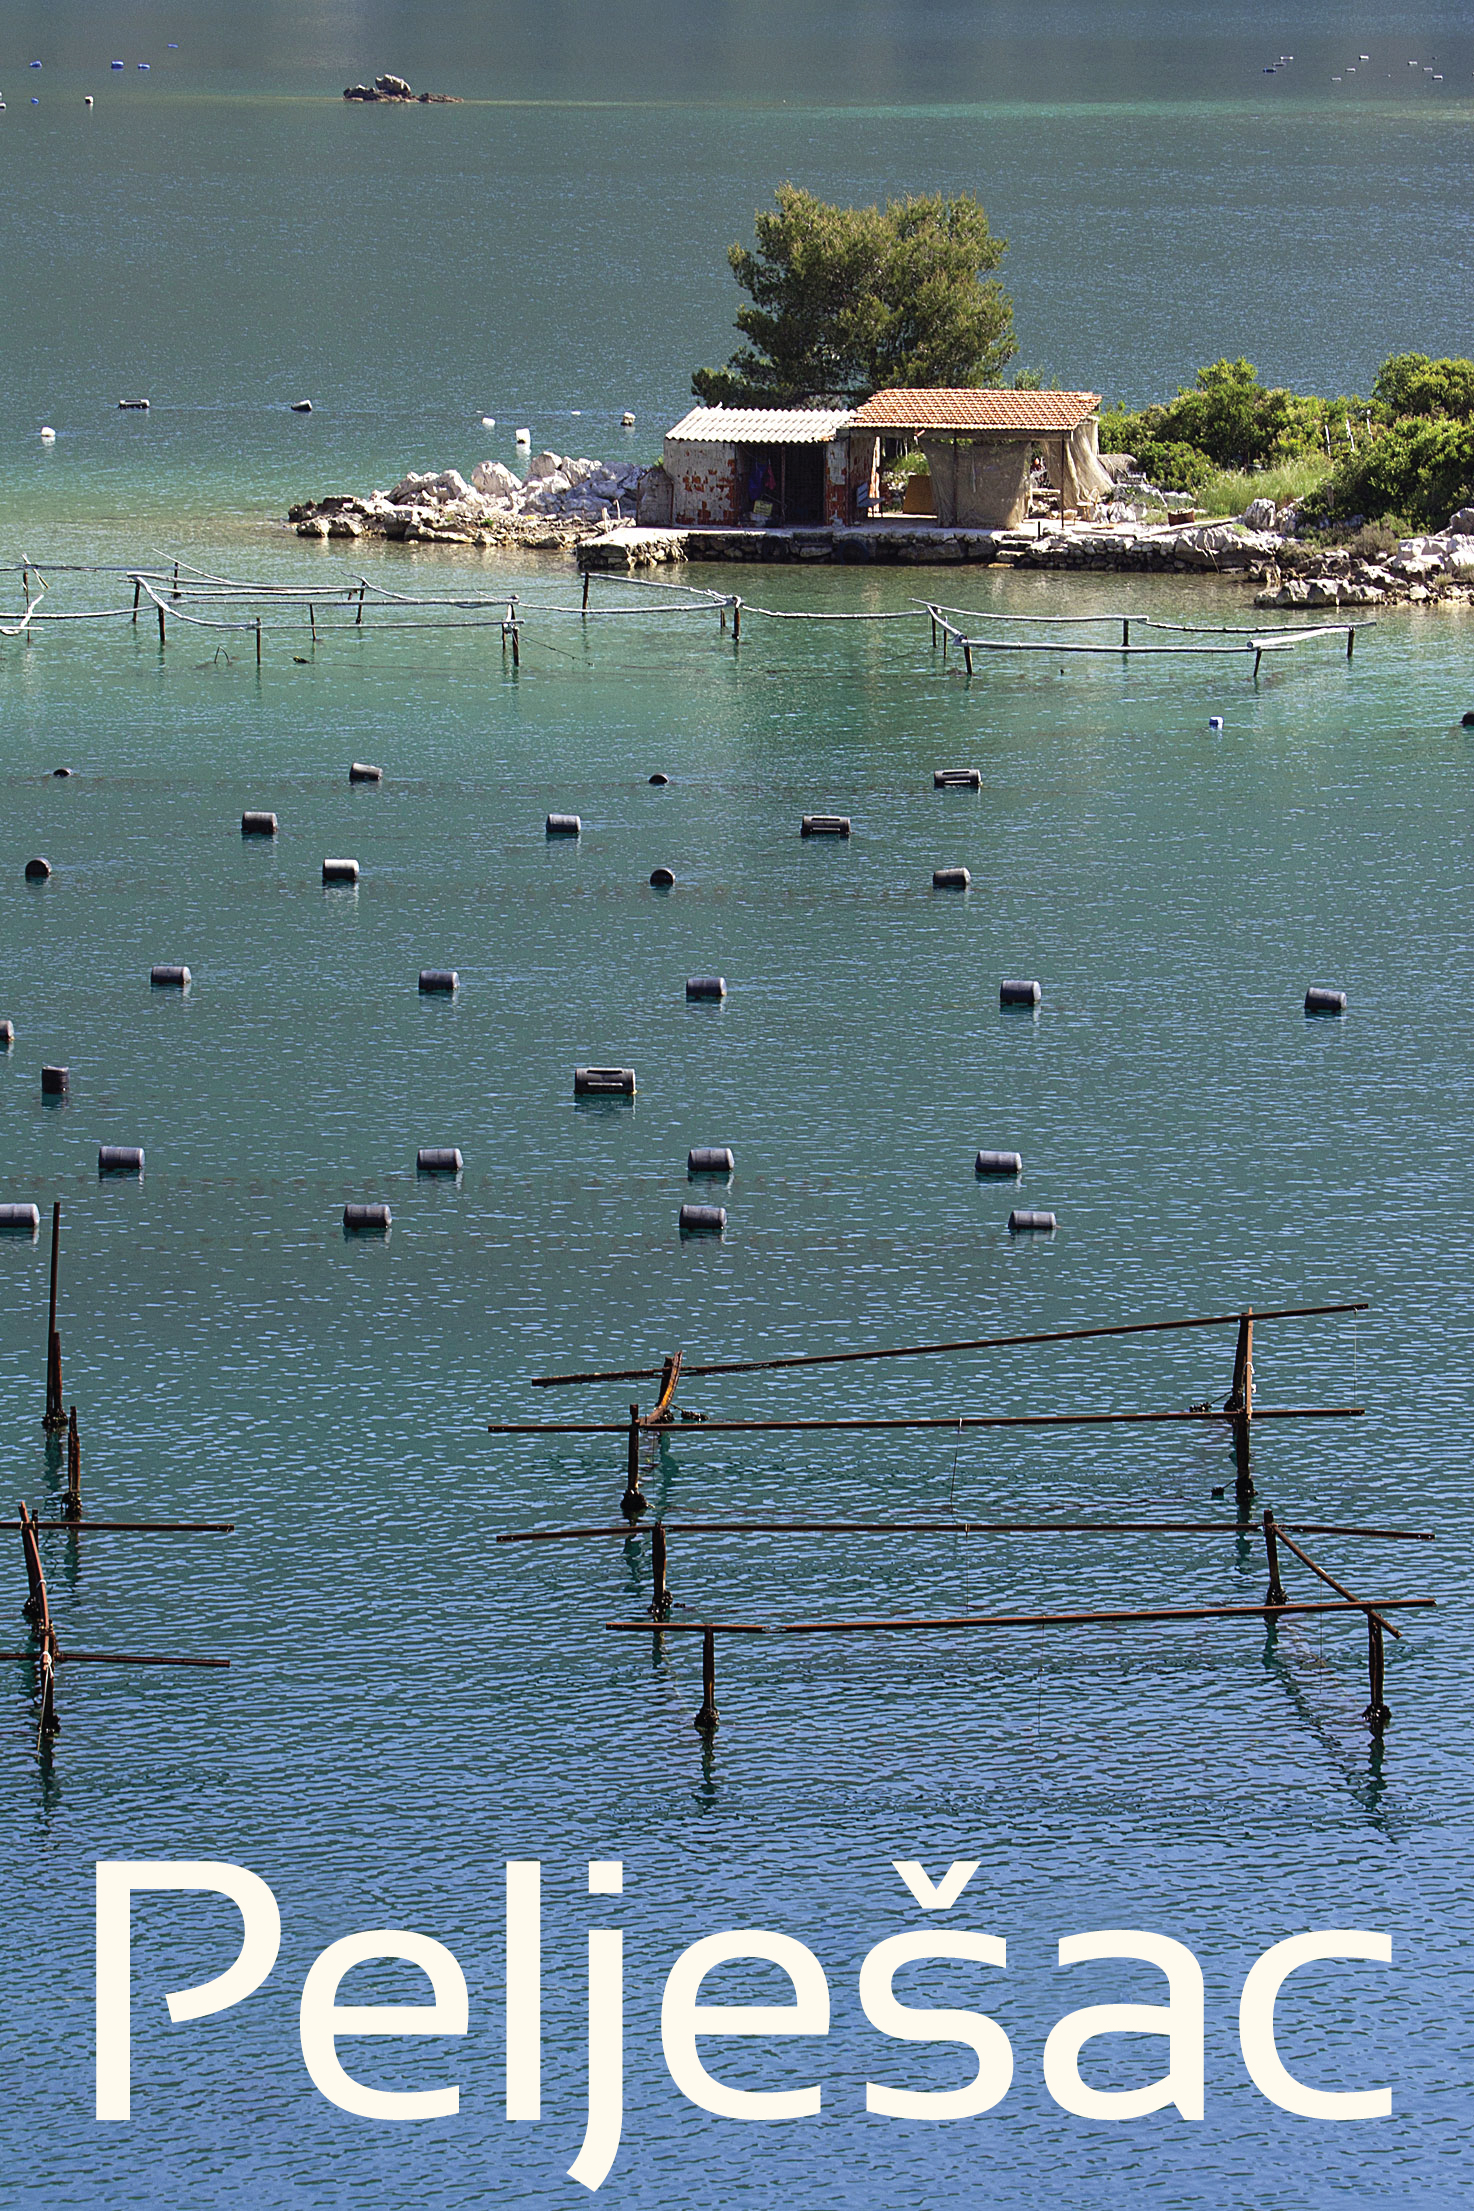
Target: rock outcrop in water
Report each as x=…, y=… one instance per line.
x=396, y=89
x=561, y=501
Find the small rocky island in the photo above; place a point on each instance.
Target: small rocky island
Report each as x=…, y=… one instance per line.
x=395, y=89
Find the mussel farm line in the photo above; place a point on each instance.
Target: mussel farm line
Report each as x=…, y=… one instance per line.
x=1238, y=1413
x=46, y=1653
x=258, y=611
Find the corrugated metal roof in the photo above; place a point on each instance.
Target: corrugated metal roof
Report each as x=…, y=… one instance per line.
x=761, y=425
x=1027, y=413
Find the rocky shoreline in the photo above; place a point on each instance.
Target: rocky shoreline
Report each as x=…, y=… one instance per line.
x=561, y=502
x=590, y=508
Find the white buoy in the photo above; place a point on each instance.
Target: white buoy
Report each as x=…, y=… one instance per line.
x=524, y=437
x=438, y=1159
x=626, y=420
x=88, y=101
x=340, y=871
x=22, y=1220
x=488, y=422
x=48, y=435
x=1024, y=1223
x=169, y=976
x=1215, y=723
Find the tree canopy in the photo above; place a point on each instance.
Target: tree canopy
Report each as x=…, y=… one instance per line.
x=850, y=300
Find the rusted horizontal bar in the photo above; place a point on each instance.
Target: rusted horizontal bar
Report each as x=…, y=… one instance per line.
x=116, y=1658
x=970, y=1343
x=915, y=1420
x=1009, y=1619
x=133, y=1527
x=628, y=1528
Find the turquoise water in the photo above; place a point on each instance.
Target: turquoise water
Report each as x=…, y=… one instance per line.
x=409, y=1705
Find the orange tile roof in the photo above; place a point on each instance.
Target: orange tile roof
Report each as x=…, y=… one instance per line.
x=1025, y=413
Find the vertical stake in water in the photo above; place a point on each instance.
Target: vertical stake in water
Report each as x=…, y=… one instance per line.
x=258, y=641
x=632, y=1504
x=1350, y=639
x=137, y=592
x=660, y=1596
x=1125, y=634
x=1377, y=1714
x=54, y=1417
x=312, y=619
x=707, y=1719
x=1240, y=1404
x=586, y=577
x=358, y=618
x=160, y=604
x=176, y=579
x=1275, y=1594
x=72, y=1503
x=967, y=655
x=736, y=621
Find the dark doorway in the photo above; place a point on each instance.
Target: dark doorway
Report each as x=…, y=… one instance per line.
x=782, y=485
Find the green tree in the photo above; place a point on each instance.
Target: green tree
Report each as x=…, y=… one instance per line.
x=1419, y=471
x=850, y=300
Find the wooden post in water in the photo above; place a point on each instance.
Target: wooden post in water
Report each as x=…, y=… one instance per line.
x=1258, y=656
x=54, y=1418
x=137, y=592
x=707, y=1719
x=1240, y=1402
x=161, y=624
x=1377, y=1713
x=35, y=1607
x=1350, y=639
x=516, y=648
x=72, y=1502
x=736, y=621
x=967, y=655
x=258, y=641
x=586, y=591
x=49, y=1723
x=176, y=580
x=1275, y=1594
x=660, y=1600
x=312, y=619
x=632, y=1504
x=358, y=618
x=1125, y=634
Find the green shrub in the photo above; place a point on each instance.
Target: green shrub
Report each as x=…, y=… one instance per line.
x=1411, y=384
x=1420, y=469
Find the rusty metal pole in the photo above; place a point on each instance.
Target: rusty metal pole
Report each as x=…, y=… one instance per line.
x=632, y=1503
x=1240, y=1403
x=72, y=1502
x=660, y=1600
x=53, y=1406
x=1275, y=1594
x=708, y=1719
x=1376, y=1714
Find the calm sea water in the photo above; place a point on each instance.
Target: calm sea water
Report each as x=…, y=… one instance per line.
x=408, y=1705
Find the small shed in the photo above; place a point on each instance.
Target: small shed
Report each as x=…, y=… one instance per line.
x=979, y=446
x=759, y=466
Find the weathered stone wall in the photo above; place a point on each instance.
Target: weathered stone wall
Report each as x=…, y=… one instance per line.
x=704, y=481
